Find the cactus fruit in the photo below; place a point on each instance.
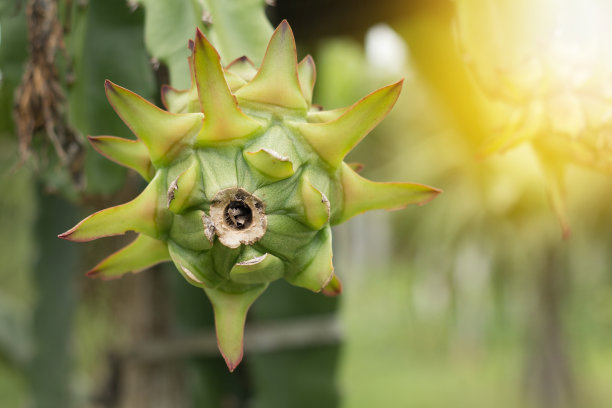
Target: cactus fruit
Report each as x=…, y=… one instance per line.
x=245, y=179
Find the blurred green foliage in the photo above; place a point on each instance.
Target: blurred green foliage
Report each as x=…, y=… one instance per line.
x=17, y=212
x=95, y=55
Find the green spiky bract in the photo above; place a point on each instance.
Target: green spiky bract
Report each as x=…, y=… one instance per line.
x=245, y=180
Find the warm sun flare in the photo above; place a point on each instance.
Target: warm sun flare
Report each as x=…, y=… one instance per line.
x=550, y=62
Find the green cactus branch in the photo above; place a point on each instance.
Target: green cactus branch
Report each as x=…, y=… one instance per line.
x=237, y=28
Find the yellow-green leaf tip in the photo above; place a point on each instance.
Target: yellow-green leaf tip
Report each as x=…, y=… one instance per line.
x=333, y=140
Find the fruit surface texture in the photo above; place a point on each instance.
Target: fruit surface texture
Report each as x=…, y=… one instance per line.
x=246, y=178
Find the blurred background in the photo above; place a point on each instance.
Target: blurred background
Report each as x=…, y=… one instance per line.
x=497, y=293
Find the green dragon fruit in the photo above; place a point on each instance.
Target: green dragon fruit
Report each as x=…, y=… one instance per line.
x=245, y=177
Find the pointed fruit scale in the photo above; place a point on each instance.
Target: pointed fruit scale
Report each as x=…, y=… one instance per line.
x=176, y=101
x=170, y=96
x=243, y=67
x=278, y=148
x=189, y=231
x=165, y=134
x=286, y=235
x=126, y=152
x=321, y=116
x=230, y=311
x=333, y=140
x=276, y=82
x=195, y=266
x=270, y=163
x=142, y=253
x=224, y=120
x=260, y=269
x=356, y=167
x=139, y=215
x=307, y=75
x=185, y=191
x=318, y=272
x=361, y=195
x=333, y=288
x=234, y=82
x=316, y=205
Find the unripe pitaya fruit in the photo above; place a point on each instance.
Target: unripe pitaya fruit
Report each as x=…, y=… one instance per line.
x=245, y=179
